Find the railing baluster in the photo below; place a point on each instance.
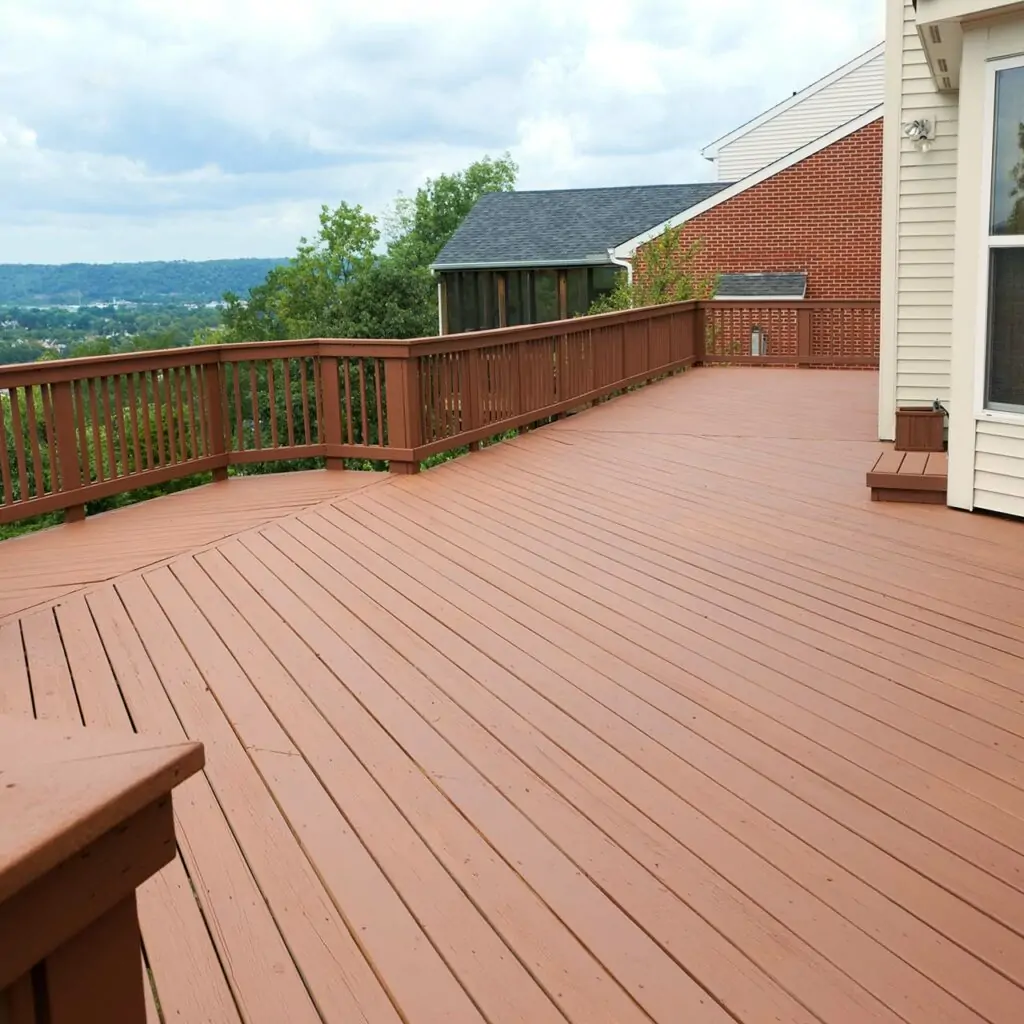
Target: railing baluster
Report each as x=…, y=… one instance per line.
x=377, y=373
x=195, y=447
x=236, y=389
x=5, y=469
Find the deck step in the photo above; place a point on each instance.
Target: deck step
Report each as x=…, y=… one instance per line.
x=909, y=476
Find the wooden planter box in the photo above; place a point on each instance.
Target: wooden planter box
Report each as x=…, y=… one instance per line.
x=920, y=429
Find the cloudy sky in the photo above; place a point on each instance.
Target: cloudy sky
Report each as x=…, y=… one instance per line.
x=194, y=129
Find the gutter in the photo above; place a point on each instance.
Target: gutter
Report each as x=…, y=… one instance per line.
x=622, y=261
x=589, y=261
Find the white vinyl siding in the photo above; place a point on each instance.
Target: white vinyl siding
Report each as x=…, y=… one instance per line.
x=926, y=221
x=999, y=468
x=817, y=115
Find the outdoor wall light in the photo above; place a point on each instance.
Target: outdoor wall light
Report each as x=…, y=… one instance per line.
x=758, y=341
x=921, y=133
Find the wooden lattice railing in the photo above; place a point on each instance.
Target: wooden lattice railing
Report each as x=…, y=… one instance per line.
x=78, y=430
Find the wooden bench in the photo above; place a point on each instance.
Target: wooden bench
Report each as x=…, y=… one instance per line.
x=85, y=818
x=909, y=476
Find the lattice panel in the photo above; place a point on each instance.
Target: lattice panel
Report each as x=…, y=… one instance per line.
x=850, y=333
x=727, y=330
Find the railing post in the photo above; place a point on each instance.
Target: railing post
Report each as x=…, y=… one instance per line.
x=401, y=380
x=331, y=408
x=803, y=337
x=216, y=441
x=68, y=466
x=699, y=333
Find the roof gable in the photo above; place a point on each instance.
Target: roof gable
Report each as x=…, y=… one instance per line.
x=712, y=150
x=566, y=227
x=626, y=249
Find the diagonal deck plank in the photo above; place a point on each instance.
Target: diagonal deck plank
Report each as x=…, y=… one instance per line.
x=648, y=715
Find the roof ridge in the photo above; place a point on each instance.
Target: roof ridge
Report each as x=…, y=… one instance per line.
x=608, y=188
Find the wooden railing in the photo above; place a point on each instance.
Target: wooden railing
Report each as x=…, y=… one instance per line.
x=75, y=431
x=796, y=333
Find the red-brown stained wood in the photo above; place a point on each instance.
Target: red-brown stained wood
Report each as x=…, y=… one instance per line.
x=15, y=693
x=5, y=469
x=648, y=714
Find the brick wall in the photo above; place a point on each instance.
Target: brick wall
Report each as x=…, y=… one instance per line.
x=822, y=216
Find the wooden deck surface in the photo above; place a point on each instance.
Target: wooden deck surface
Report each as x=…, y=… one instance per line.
x=38, y=568
x=650, y=715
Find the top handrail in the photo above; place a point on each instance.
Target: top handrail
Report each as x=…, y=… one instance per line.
x=51, y=371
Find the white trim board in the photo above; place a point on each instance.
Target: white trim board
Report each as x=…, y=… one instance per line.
x=711, y=151
x=627, y=249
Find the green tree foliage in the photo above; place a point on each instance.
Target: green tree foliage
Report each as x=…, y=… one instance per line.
x=340, y=285
x=420, y=225
x=664, y=271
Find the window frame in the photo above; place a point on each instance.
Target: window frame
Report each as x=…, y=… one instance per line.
x=984, y=409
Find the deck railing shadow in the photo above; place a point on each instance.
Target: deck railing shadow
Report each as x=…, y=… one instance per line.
x=78, y=430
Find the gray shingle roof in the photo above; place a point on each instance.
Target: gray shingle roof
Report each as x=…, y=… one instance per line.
x=761, y=286
x=563, y=227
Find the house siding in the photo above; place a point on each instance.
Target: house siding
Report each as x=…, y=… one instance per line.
x=925, y=212
x=843, y=100
x=821, y=216
x=999, y=468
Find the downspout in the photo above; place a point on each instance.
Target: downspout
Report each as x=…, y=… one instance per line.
x=622, y=261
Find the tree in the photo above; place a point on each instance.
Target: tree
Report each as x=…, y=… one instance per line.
x=305, y=297
x=664, y=270
x=340, y=286
x=420, y=225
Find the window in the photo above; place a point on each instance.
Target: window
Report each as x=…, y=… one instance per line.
x=577, y=299
x=517, y=298
x=1004, y=370
x=603, y=281
x=545, y=296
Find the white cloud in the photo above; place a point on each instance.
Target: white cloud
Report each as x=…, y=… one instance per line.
x=143, y=129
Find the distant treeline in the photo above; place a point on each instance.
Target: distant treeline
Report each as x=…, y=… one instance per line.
x=177, y=281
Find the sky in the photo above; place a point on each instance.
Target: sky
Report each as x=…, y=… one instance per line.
x=202, y=129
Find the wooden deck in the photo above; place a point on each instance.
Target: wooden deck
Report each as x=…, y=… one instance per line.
x=650, y=715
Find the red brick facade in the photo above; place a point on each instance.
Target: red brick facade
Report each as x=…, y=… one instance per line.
x=822, y=216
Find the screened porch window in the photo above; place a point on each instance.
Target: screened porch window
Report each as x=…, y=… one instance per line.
x=1004, y=372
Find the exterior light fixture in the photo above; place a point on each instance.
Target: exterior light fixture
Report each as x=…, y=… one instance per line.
x=921, y=133
x=758, y=341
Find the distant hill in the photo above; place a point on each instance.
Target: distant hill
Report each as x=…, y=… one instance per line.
x=30, y=284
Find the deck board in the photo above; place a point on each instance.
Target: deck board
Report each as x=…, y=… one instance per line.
x=648, y=715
